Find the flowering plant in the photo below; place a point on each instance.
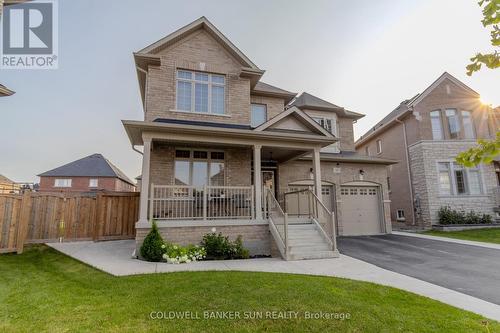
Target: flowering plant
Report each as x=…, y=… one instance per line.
x=175, y=254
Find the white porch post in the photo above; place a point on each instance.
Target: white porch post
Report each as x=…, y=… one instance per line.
x=317, y=173
x=257, y=181
x=143, y=208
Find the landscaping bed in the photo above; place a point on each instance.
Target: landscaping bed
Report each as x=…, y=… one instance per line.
x=45, y=291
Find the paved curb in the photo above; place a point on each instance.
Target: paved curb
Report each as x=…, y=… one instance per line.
x=449, y=240
x=114, y=257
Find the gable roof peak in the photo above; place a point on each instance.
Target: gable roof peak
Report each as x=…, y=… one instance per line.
x=307, y=100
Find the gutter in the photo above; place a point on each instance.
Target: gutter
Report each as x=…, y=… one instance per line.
x=408, y=168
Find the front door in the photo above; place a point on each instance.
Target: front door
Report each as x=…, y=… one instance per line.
x=268, y=180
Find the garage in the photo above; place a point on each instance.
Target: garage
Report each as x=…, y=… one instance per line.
x=360, y=209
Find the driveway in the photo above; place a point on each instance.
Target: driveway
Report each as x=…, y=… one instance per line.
x=467, y=269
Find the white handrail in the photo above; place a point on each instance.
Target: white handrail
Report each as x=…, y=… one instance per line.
x=282, y=237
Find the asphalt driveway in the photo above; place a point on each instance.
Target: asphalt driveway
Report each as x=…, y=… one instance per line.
x=467, y=269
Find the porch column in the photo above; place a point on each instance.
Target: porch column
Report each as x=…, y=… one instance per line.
x=317, y=173
x=143, y=207
x=257, y=181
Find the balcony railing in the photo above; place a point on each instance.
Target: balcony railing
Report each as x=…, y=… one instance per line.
x=177, y=202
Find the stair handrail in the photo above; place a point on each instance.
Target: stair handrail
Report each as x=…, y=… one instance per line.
x=274, y=208
x=332, y=238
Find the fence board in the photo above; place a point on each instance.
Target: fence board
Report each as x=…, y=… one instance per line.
x=38, y=217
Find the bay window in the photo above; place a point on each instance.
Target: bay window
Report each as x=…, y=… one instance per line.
x=454, y=179
x=200, y=92
x=199, y=168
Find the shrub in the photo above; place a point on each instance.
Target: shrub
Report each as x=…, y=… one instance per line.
x=176, y=254
x=151, y=249
x=450, y=216
x=218, y=246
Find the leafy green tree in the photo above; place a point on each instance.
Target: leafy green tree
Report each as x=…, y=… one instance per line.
x=484, y=152
x=491, y=17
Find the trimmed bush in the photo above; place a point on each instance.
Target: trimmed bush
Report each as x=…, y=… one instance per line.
x=218, y=246
x=450, y=216
x=151, y=249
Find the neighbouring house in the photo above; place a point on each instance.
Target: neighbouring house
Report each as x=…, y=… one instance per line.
x=8, y=186
x=425, y=133
x=224, y=150
x=88, y=174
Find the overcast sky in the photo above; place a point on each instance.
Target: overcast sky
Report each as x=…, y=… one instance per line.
x=364, y=55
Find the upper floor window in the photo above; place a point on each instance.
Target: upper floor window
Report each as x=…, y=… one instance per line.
x=454, y=179
x=62, y=182
x=258, y=114
x=367, y=151
x=93, y=182
x=379, y=146
x=437, y=125
x=468, y=125
x=330, y=124
x=453, y=123
x=200, y=92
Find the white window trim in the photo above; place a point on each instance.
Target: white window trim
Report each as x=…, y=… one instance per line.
x=398, y=216
x=453, y=181
x=193, y=82
x=96, y=182
x=69, y=180
x=209, y=160
x=440, y=117
x=265, y=116
x=378, y=145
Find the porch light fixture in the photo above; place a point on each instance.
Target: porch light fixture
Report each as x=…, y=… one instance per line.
x=311, y=174
x=361, y=174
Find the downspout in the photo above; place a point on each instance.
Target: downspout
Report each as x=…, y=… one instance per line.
x=408, y=169
x=137, y=150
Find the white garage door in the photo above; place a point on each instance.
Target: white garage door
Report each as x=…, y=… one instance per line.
x=360, y=210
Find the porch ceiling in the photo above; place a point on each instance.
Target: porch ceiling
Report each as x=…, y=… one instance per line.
x=138, y=131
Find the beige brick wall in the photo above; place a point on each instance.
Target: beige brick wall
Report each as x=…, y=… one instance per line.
x=199, y=51
x=256, y=238
x=349, y=172
x=274, y=105
x=237, y=164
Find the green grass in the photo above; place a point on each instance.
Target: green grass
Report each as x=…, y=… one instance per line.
x=479, y=235
x=45, y=291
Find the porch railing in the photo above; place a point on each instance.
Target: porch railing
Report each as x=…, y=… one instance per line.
x=179, y=202
x=304, y=203
x=278, y=222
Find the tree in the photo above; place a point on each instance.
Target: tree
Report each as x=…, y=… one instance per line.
x=485, y=152
x=491, y=17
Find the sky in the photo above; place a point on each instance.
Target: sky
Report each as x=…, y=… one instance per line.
x=366, y=56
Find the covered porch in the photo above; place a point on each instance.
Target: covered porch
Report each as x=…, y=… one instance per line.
x=207, y=175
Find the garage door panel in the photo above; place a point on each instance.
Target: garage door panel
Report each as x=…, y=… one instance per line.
x=360, y=211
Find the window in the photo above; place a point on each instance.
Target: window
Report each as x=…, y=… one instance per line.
x=400, y=214
x=330, y=124
x=437, y=125
x=453, y=124
x=367, y=151
x=62, y=183
x=258, y=114
x=389, y=184
x=454, y=179
x=93, y=182
x=468, y=125
x=379, y=146
x=199, y=168
x=200, y=92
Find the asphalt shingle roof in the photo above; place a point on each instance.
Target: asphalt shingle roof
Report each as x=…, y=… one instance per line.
x=306, y=100
x=94, y=165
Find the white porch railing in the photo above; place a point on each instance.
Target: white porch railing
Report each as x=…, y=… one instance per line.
x=177, y=202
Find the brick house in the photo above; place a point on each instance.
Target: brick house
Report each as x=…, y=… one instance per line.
x=425, y=133
x=89, y=174
x=222, y=149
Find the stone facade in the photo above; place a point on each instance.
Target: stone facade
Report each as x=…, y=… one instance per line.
x=424, y=157
x=330, y=173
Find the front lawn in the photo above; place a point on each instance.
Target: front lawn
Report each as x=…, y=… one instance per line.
x=479, y=235
x=45, y=291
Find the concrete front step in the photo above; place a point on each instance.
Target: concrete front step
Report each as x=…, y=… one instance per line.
x=298, y=249
x=313, y=255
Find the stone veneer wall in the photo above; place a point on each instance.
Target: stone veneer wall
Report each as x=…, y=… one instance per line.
x=424, y=156
x=256, y=238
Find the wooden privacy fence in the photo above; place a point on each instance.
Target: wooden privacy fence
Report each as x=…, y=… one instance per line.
x=52, y=217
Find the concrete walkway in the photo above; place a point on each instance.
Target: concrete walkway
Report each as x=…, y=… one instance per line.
x=114, y=257
x=449, y=240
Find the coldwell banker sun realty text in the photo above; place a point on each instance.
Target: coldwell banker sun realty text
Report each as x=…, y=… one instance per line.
x=29, y=35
